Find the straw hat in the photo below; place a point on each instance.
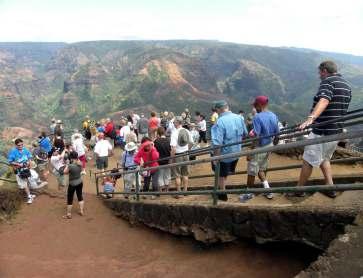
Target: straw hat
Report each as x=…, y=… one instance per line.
x=33, y=165
x=131, y=146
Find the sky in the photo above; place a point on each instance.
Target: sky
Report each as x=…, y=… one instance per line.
x=328, y=25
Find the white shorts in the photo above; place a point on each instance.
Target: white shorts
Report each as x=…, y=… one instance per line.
x=129, y=181
x=31, y=182
x=164, y=177
x=316, y=154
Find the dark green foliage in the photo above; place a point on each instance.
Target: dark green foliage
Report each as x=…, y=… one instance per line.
x=69, y=81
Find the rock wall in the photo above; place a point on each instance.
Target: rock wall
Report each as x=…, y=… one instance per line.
x=10, y=200
x=316, y=227
x=343, y=258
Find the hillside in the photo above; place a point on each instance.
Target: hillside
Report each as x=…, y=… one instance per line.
x=42, y=80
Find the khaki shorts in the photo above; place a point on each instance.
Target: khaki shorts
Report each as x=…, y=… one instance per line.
x=316, y=154
x=258, y=162
x=41, y=167
x=183, y=170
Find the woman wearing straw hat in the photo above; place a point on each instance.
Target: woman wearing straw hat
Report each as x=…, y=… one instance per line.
x=127, y=163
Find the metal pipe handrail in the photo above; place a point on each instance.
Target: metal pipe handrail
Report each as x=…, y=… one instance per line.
x=249, y=141
x=302, y=143
x=288, y=167
x=299, y=189
x=200, y=153
x=348, y=113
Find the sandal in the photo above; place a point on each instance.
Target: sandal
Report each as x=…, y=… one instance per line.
x=67, y=216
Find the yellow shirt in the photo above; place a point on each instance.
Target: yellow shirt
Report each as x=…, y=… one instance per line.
x=214, y=118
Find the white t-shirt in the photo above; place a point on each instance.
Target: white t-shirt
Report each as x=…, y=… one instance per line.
x=202, y=125
x=135, y=119
x=124, y=131
x=78, y=146
x=174, y=141
x=170, y=128
x=57, y=161
x=102, y=148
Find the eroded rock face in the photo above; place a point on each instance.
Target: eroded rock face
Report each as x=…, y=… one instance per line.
x=10, y=133
x=314, y=227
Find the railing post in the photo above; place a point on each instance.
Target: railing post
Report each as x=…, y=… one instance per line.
x=216, y=182
x=137, y=186
x=97, y=189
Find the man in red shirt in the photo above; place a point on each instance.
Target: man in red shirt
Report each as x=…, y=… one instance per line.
x=153, y=125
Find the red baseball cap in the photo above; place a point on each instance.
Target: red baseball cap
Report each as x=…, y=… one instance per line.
x=261, y=100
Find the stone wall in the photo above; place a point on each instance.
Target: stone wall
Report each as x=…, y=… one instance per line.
x=316, y=227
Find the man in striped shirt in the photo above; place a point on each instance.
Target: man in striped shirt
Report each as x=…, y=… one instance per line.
x=331, y=102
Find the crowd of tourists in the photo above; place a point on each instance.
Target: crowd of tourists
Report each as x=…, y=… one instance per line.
x=151, y=140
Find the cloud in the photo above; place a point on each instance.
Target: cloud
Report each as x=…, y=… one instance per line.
x=328, y=25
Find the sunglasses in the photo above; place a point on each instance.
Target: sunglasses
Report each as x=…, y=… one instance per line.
x=20, y=145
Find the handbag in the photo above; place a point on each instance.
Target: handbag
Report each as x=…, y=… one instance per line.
x=24, y=173
x=145, y=174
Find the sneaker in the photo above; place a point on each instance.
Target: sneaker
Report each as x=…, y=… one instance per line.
x=153, y=197
x=296, y=194
x=83, y=172
x=330, y=194
x=245, y=197
x=223, y=197
x=42, y=184
x=33, y=196
x=268, y=195
x=30, y=200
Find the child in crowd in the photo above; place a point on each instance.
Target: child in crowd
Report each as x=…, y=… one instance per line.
x=108, y=184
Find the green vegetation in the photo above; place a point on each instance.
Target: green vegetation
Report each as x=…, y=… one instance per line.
x=103, y=77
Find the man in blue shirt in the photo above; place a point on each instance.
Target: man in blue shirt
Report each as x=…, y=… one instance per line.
x=265, y=125
x=229, y=128
x=19, y=158
x=45, y=143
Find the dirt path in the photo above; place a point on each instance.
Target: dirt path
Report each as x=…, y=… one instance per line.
x=39, y=243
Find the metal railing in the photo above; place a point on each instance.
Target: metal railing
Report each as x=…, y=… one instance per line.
x=284, y=134
x=216, y=159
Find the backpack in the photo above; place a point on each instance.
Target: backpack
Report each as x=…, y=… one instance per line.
x=113, y=133
x=164, y=123
x=41, y=155
x=183, y=137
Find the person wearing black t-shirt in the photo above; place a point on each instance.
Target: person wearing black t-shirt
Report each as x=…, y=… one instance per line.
x=162, y=144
